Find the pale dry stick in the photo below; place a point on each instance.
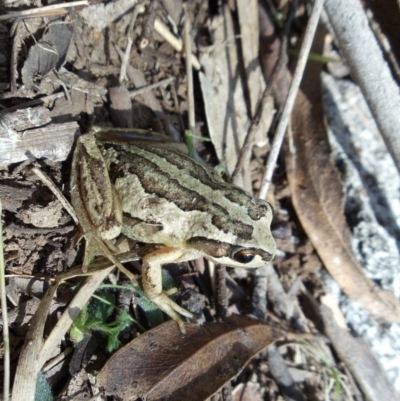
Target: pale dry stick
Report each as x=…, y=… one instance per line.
x=125, y=60
x=42, y=278
x=47, y=181
x=135, y=92
x=6, y=335
x=262, y=109
x=139, y=9
x=163, y=31
x=291, y=97
x=189, y=74
x=262, y=106
x=53, y=9
x=148, y=24
x=55, y=361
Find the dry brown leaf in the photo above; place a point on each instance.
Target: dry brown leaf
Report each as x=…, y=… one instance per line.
x=164, y=364
x=317, y=195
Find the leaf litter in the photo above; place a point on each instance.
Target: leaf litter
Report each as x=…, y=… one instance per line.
x=92, y=66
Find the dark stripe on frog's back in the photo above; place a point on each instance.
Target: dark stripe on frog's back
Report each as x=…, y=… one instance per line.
x=164, y=186
x=209, y=177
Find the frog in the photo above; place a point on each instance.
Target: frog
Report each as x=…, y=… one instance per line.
x=149, y=189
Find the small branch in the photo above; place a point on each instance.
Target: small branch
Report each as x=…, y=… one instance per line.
x=125, y=60
x=135, y=92
x=189, y=75
x=262, y=107
x=291, y=97
x=18, y=229
x=47, y=181
x=34, y=102
x=148, y=25
x=163, y=31
x=139, y=9
x=55, y=9
x=6, y=335
x=222, y=298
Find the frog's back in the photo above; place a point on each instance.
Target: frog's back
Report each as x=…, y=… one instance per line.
x=169, y=198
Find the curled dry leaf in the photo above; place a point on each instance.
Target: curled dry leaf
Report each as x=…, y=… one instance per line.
x=164, y=364
x=317, y=195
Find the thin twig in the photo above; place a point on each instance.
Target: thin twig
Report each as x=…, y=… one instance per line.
x=54, y=9
x=135, y=92
x=148, y=26
x=260, y=114
x=47, y=181
x=33, y=102
x=189, y=75
x=139, y=9
x=18, y=229
x=221, y=296
x=55, y=361
x=163, y=31
x=294, y=86
x=262, y=108
x=14, y=55
x=125, y=60
x=6, y=336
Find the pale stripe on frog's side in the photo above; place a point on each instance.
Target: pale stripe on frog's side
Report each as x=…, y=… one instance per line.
x=169, y=199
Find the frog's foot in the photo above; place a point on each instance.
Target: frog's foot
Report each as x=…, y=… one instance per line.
x=172, y=309
x=152, y=282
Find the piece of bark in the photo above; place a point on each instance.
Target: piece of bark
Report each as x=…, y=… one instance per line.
x=53, y=142
x=12, y=197
x=23, y=119
x=47, y=54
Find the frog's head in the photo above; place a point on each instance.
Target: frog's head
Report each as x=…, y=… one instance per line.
x=248, y=248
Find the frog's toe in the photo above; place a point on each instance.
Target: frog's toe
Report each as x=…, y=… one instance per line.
x=171, y=291
x=172, y=309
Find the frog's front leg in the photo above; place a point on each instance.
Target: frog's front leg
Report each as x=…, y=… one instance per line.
x=152, y=282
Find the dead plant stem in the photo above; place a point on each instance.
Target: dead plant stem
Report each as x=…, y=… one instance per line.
x=291, y=97
x=47, y=181
x=6, y=336
x=135, y=92
x=189, y=75
x=262, y=107
x=54, y=9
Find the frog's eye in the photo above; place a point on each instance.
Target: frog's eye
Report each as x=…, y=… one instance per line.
x=242, y=255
